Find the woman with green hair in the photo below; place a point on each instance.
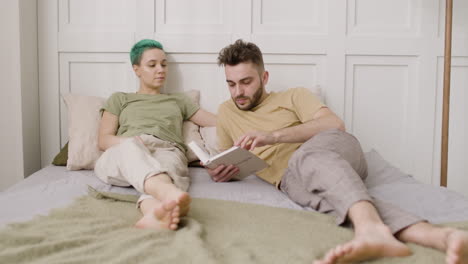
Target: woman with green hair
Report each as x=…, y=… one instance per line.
x=141, y=136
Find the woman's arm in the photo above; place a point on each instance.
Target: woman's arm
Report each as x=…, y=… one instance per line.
x=108, y=130
x=203, y=118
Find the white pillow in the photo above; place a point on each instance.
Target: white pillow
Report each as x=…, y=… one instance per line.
x=83, y=129
x=190, y=130
x=210, y=139
x=317, y=90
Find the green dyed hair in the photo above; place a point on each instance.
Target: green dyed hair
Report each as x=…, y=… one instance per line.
x=140, y=47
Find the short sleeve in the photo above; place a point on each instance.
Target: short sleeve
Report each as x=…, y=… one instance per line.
x=224, y=140
x=114, y=104
x=305, y=104
x=188, y=107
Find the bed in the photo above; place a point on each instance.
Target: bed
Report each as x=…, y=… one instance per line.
x=62, y=216
x=65, y=214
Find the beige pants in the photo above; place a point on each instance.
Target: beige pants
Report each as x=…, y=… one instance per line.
x=130, y=163
x=327, y=173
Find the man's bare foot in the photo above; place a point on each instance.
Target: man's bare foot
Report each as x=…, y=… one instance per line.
x=374, y=242
x=457, y=247
x=163, y=216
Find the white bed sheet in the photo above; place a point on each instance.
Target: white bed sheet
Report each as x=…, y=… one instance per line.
x=55, y=187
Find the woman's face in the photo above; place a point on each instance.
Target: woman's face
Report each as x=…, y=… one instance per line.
x=152, y=70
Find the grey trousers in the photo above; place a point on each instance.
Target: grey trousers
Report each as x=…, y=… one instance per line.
x=327, y=172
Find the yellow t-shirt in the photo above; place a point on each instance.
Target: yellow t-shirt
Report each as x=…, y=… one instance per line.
x=279, y=110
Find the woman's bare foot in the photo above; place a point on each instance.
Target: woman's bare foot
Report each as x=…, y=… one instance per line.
x=172, y=193
x=162, y=188
x=183, y=201
x=457, y=247
x=163, y=216
x=374, y=242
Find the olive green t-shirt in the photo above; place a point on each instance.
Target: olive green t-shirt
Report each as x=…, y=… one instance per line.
x=279, y=110
x=160, y=115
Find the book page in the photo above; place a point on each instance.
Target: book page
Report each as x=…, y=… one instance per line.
x=223, y=153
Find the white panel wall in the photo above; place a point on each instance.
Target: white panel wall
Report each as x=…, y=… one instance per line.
x=379, y=105
x=29, y=87
x=11, y=150
x=458, y=143
x=458, y=127
x=398, y=18
x=378, y=62
x=19, y=140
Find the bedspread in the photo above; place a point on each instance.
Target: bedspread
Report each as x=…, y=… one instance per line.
x=98, y=229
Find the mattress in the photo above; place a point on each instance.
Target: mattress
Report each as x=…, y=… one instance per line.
x=56, y=187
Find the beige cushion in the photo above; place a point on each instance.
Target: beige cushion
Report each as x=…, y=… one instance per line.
x=317, y=90
x=208, y=135
x=190, y=130
x=83, y=128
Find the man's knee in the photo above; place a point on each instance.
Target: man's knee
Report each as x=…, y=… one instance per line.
x=335, y=144
x=332, y=139
x=317, y=165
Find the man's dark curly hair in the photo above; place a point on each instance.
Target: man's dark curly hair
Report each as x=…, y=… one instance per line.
x=241, y=52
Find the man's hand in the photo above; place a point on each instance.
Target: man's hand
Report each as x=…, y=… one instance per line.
x=255, y=139
x=223, y=173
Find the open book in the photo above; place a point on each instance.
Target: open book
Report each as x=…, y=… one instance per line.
x=247, y=162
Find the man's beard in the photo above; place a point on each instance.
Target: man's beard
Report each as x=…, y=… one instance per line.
x=254, y=100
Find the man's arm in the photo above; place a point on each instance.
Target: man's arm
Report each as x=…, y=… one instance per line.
x=323, y=119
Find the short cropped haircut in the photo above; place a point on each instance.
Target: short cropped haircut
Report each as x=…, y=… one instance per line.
x=140, y=47
x=241, y=52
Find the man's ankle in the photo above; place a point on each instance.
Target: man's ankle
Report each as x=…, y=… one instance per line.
x=364, y=215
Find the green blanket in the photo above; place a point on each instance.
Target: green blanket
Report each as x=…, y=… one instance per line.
x=98, y=229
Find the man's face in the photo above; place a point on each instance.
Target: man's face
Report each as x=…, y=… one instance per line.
x=246, y=84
